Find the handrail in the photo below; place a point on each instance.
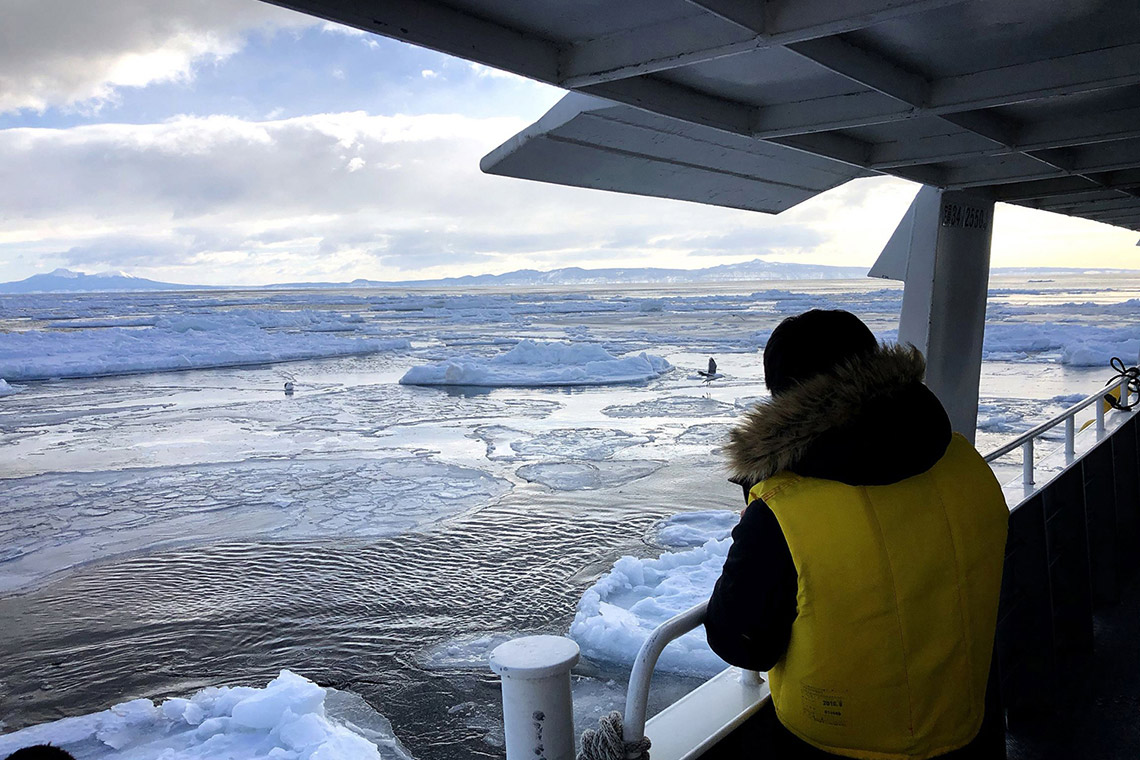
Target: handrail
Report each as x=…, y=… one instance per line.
x=637, y=698
x=1026, y=439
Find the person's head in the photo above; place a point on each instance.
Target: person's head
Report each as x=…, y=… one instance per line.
x=41, y=752
x=812, y=343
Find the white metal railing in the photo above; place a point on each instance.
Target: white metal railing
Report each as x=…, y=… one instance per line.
x=1025, y=441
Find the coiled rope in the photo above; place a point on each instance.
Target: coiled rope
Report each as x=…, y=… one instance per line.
x=1132, y=374
x=606, y=743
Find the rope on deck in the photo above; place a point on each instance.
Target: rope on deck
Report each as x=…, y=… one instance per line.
x=605, y=742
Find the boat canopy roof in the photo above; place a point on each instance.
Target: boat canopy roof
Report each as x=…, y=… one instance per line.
x=760, y=105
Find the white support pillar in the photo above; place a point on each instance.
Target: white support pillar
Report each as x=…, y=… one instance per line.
x=941, y=250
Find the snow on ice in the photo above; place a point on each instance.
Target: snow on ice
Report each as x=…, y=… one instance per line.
x=287, y=720
x=5, y=389
x=535, y=364
x=184, y=342
x=618, y=613
x=696, y=528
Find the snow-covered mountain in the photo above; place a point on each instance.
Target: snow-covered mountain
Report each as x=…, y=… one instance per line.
x=67, y=281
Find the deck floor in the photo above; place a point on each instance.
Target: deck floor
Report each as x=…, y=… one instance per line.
x=1099, y=710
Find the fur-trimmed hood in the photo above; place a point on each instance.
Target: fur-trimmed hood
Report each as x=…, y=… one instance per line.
x=776, y=434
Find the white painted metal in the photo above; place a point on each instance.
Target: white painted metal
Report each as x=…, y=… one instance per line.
x=947, y=239
x=538, y=717
x=690, y=726
x=591, y=142
x=637, y=697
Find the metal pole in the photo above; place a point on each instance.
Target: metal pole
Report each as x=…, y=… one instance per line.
x=1124, y=391
x=1027, y=463
x=1070, y=438
x=1099, y=418
x=538, y=711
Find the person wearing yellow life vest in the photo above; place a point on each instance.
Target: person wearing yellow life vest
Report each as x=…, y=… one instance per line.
x=865, y=570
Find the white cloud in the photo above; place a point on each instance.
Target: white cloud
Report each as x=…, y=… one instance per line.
x=345, y=195
x=378, y=196
x=67, y=53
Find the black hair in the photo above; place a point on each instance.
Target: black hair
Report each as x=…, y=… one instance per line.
x=812, y=343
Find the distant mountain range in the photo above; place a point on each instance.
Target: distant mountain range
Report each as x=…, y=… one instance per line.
x=67, y=281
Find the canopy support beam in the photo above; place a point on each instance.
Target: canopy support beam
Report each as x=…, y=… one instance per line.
x=941, y=250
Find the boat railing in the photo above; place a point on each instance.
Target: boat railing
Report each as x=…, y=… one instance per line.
x=1026, y=442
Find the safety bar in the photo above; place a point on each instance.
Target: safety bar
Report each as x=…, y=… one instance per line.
x=637, y=698
x=1068, y=417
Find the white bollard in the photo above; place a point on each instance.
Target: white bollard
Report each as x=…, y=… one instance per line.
x=538, y=716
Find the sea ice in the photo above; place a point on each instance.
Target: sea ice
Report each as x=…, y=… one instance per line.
x=672, y=406
x=690, y=529
x=5, y=389
x=618, y=613
x=55, y=521
x=533, y=364
x=193, y=341
x=290, y=719
x=468, y=652
x=581, y=476
x=711, y=434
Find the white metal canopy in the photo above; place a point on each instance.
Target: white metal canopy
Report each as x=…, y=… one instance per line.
x=1033, y=102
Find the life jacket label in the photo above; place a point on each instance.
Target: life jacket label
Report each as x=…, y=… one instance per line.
x=823, y=705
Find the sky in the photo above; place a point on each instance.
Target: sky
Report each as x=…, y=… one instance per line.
x=234, y=142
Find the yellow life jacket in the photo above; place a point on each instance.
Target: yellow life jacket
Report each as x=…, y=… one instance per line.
x=897, y=606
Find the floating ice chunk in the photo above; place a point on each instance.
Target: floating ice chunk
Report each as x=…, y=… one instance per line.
x=696, y=528
x=184, y=342
x=577, y=443
x=710, y=435
x=468, y=652
x=532, y=364
x=5, y=389
x=673, y=406
x=290, y=718
x=581, y=476
x=618, y=613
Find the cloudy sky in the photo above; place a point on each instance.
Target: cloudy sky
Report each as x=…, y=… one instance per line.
x=233, y=142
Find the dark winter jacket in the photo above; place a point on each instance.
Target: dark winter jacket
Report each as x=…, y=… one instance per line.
x=871, y=422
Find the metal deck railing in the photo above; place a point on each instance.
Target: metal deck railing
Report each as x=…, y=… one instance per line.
x=1026, y=440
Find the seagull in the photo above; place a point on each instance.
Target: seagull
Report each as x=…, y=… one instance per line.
x=711, y=374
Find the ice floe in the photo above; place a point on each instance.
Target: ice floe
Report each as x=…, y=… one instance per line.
x=289, y=719
x=709, y=434
x=184, y=342
x=5, y=389
x=469, y=652
x=672, y=406
x=561, y=444
x=617, y=614
x=535, y=364
x=581, y=476
x=690, y=529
